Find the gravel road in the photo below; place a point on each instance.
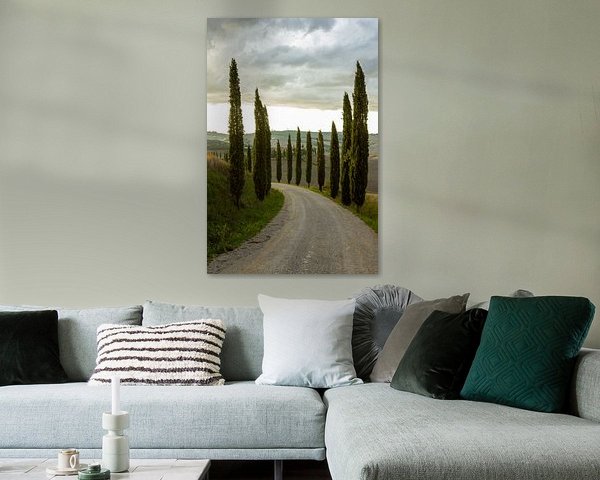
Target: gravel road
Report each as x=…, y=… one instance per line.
x=311, y=234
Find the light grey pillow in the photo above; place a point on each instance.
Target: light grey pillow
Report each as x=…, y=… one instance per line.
x=377, y=311
x=77, y=334
x=241, y=357
x=520, y=293
x=308, y=343
x=405, y=330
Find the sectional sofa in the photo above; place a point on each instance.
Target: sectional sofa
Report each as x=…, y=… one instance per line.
x=366, y=432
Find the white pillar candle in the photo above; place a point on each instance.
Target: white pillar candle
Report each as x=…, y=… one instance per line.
x=115, y=384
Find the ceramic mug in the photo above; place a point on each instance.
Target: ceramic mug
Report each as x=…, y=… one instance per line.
x=68, y=459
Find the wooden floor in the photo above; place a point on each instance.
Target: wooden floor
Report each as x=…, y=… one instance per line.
x=263, y=470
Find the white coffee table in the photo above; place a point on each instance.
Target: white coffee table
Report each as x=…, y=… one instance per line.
x=147, y=469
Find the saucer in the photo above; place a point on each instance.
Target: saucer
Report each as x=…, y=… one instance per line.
x=65, y=471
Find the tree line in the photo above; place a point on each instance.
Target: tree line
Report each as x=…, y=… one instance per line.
x=348, y=163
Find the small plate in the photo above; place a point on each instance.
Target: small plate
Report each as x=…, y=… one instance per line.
x=65, y=471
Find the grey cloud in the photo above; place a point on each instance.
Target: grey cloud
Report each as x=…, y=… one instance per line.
x=306, y=70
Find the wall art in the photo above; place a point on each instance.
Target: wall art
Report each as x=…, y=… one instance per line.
x=292, y=145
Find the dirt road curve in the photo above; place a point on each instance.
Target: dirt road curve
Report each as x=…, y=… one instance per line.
x=311, y=234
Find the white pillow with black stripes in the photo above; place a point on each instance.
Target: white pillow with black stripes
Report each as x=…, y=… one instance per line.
x=185, y=353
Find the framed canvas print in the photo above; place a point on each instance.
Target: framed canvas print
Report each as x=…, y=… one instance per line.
x=292, y=145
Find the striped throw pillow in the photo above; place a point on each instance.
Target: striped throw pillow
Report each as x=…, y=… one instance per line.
x=185, y=353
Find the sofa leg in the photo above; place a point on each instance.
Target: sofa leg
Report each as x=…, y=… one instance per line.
x=278, y=469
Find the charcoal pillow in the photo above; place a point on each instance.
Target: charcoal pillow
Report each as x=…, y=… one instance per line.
x=438, y=359
x=527, y=352
x=406, y=329
x=377, y=311
x=29, y=348
x=77, y=333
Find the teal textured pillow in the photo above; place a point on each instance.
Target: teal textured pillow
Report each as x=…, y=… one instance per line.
x=527, y=351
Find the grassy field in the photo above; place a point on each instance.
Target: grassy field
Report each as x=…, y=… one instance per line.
x=368, y=213
x=227, y=226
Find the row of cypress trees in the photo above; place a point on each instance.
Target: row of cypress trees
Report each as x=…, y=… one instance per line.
x=353, y=156
x=320, y=151
x=259, y=157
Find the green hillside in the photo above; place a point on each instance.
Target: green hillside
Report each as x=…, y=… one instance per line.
x=228, y=227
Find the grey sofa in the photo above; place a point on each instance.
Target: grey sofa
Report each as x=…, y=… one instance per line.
x=367, y=432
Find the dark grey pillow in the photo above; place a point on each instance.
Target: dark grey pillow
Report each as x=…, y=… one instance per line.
x=438, y=359
x=377, y=311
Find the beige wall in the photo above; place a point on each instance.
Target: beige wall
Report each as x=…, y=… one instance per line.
x=490, y=137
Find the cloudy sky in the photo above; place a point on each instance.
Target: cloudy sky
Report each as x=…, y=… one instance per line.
x=301, y=67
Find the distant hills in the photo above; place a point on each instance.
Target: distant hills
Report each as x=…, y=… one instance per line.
x=219, y=142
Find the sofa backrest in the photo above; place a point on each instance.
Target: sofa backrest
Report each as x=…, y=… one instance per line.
x=77, y=334
x=241, y=356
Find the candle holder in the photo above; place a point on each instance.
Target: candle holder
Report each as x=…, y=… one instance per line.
x=115, y=445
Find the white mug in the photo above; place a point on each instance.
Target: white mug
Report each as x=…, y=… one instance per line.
x=68, y=459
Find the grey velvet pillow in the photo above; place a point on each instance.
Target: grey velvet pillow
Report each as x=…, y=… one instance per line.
x=405, y=330
x=377, y=311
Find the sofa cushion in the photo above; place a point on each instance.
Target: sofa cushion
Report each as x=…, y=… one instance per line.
x=528, y=350
x=405, y=330
x=377, y=311
x=308, y=343
x=183, y=353
x=419, y=438
x=77, y=334
x=584, y=400
x=438, y=359
x=239, y=416
x=29, y=348
x=241, y=356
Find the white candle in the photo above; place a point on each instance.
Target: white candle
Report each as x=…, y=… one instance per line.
x=115, y=384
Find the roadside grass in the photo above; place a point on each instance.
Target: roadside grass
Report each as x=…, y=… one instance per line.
x=228, y=227
x=368, y=213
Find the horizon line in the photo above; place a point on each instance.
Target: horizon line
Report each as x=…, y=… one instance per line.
x=339, y=132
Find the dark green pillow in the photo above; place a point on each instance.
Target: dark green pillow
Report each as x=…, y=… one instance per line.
x=439, y=357
x=527, y=352
x=29, y=348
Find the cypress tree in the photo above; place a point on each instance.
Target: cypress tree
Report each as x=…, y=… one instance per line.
x=346, y=144
x=289, y=158
x=298, y=157
x=334, y=158
x=267, y=146
x=308, y=158
x=259, y=174
x=320, y=161
x=359, y=166
x=249, y=160
x=278, y=156
x=237, y=170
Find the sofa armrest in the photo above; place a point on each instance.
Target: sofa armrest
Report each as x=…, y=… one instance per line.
x=585, y=386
